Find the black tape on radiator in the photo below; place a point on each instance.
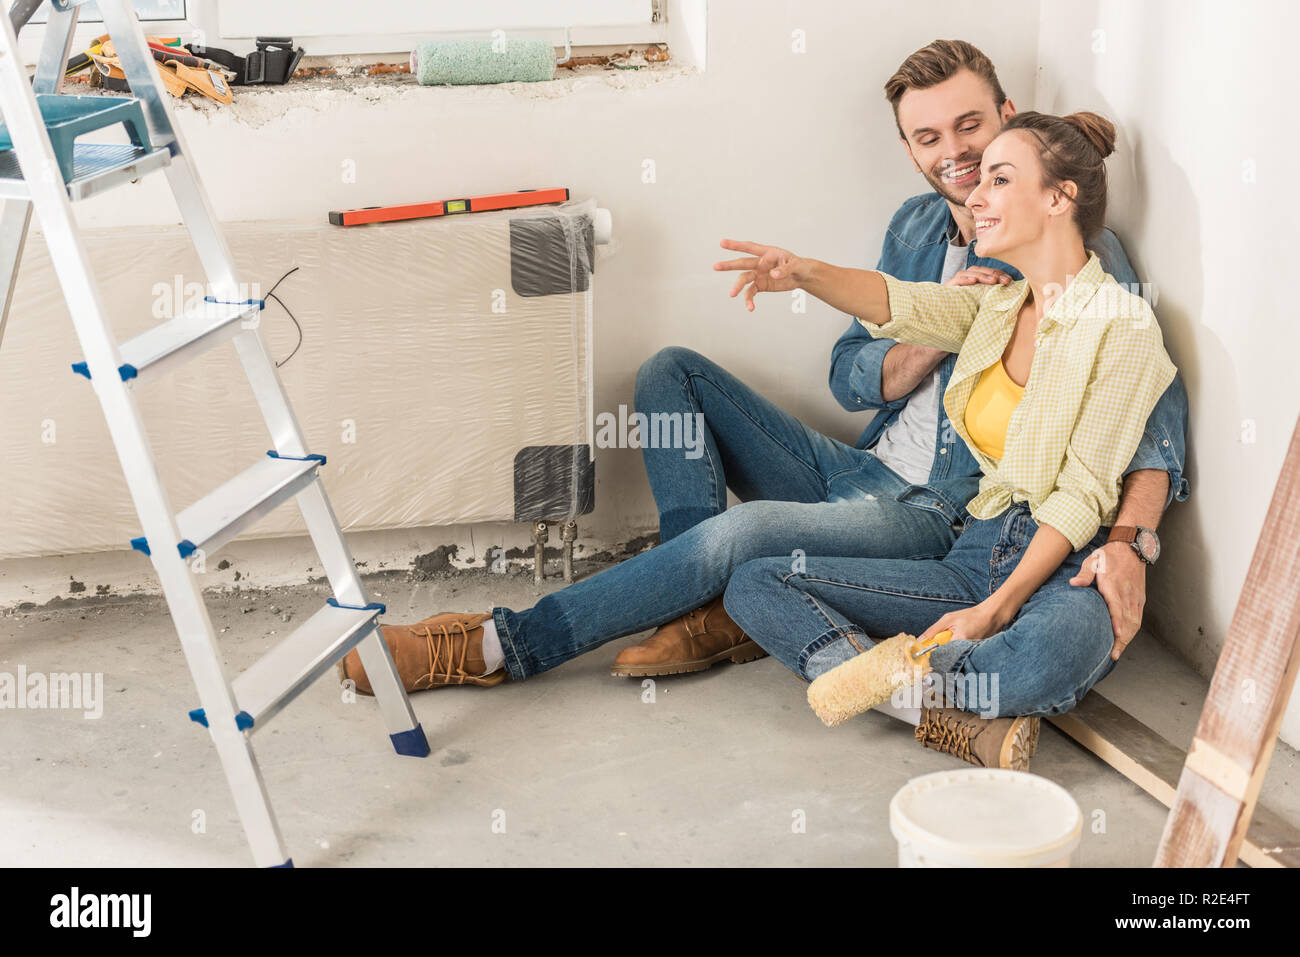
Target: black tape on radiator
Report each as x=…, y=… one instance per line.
x=551, y=255
x=554, y=482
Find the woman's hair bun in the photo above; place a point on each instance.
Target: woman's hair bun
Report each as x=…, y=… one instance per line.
x=1099, y=130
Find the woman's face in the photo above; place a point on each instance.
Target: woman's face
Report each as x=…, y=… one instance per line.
x=1011, y=205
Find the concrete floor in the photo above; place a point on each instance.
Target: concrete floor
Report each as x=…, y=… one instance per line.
x=579, y=768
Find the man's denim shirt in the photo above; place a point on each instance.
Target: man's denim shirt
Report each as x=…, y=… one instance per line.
x=914, y=250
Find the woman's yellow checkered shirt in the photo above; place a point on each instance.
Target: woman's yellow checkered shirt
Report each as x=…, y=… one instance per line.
x=1099, y=367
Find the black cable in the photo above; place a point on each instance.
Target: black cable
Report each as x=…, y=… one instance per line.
x=297, y=325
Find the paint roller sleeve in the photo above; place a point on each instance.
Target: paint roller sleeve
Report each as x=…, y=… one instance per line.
x=871, y=678
x=464, y=62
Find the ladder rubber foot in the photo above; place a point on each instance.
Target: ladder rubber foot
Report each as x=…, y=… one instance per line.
x=288, y=863
x=412, y=743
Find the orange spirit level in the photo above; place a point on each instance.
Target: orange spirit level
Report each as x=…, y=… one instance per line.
x=448, y=207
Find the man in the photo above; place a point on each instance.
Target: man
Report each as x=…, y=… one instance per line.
x=899, y=492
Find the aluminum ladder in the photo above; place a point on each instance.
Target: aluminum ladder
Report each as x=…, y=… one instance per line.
x=40, y=122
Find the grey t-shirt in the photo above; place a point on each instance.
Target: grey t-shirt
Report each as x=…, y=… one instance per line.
x=907, y=444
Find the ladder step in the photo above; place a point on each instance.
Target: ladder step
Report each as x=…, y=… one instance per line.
x=226, y=511
x=67, y=116
x=92, y=167
x=164, y=347
x=96, y=168
x=290, y=667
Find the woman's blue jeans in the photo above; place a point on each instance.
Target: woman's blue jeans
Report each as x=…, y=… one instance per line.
x=803, y=493
x=815, y=615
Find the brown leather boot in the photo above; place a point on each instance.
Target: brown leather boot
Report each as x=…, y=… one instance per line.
x=443, y=650
x=984, y=742
x=697, y=640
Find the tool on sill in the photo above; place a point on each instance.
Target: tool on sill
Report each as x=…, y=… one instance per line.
x=272, y=63
x=83, y=60
x=210, y=83
x=179, y=73
x=164, y=54
x=44, y=172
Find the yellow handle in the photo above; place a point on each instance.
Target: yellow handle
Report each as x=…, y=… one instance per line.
x=942, y=638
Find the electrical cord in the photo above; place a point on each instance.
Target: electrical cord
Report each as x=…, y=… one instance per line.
x=271, y=295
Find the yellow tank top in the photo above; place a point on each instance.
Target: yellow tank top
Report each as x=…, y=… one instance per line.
x=989, y=410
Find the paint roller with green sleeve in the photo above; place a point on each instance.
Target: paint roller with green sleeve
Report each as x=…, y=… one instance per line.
x=499, y=60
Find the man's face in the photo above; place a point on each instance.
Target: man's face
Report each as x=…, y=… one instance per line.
x=946, y=128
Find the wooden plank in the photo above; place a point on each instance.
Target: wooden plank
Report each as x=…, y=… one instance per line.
x=1155, y=765
x=1252, y=683
x=1126, y=744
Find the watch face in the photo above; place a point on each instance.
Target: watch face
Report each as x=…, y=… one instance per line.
x=1148, y=545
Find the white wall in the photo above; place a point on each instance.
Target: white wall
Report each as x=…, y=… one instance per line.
x=1203, y=96
x=792, y=148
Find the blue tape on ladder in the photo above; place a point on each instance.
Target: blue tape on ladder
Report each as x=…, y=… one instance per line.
x=297, y=458
x=126, y=370
x=412, y=743
x=373, y=606
x=141, y=544
x=187, y=548
x=260, y=303
x=243, y=720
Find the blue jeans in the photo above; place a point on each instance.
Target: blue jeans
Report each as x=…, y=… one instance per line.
x=821, y=614
x=802, y=492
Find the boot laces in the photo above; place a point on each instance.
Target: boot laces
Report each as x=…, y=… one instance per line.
x=443, y=643
x=945, y=732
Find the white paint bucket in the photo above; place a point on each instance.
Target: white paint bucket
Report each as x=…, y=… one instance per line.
x=984, y=817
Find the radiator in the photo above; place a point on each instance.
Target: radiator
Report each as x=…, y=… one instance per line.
x=444, y=370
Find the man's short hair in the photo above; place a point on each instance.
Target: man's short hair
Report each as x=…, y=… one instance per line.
x=939, y=61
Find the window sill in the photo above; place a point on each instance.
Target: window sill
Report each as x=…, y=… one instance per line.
x=257, y=103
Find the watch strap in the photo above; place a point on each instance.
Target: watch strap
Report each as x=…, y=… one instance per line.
x=1123, y=533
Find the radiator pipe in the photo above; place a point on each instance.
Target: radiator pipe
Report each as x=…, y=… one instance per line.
x=540, y=535
x=568, y=533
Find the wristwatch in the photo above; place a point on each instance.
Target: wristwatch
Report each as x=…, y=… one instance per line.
x=1142, y=540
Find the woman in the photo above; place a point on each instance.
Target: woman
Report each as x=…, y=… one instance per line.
x=1056, y=374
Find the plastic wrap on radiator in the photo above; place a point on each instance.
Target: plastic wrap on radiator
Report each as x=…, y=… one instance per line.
x=444, y=370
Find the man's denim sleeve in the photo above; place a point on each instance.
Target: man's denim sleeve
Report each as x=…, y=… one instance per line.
x=857, y=359
x=1114, y=260
x=1164, y=441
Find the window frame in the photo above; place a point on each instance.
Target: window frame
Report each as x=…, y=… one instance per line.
x=202, y=25
x=32, y=36
x=187, y=4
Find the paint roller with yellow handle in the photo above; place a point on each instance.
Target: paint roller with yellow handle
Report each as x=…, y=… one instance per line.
x=871, y=678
